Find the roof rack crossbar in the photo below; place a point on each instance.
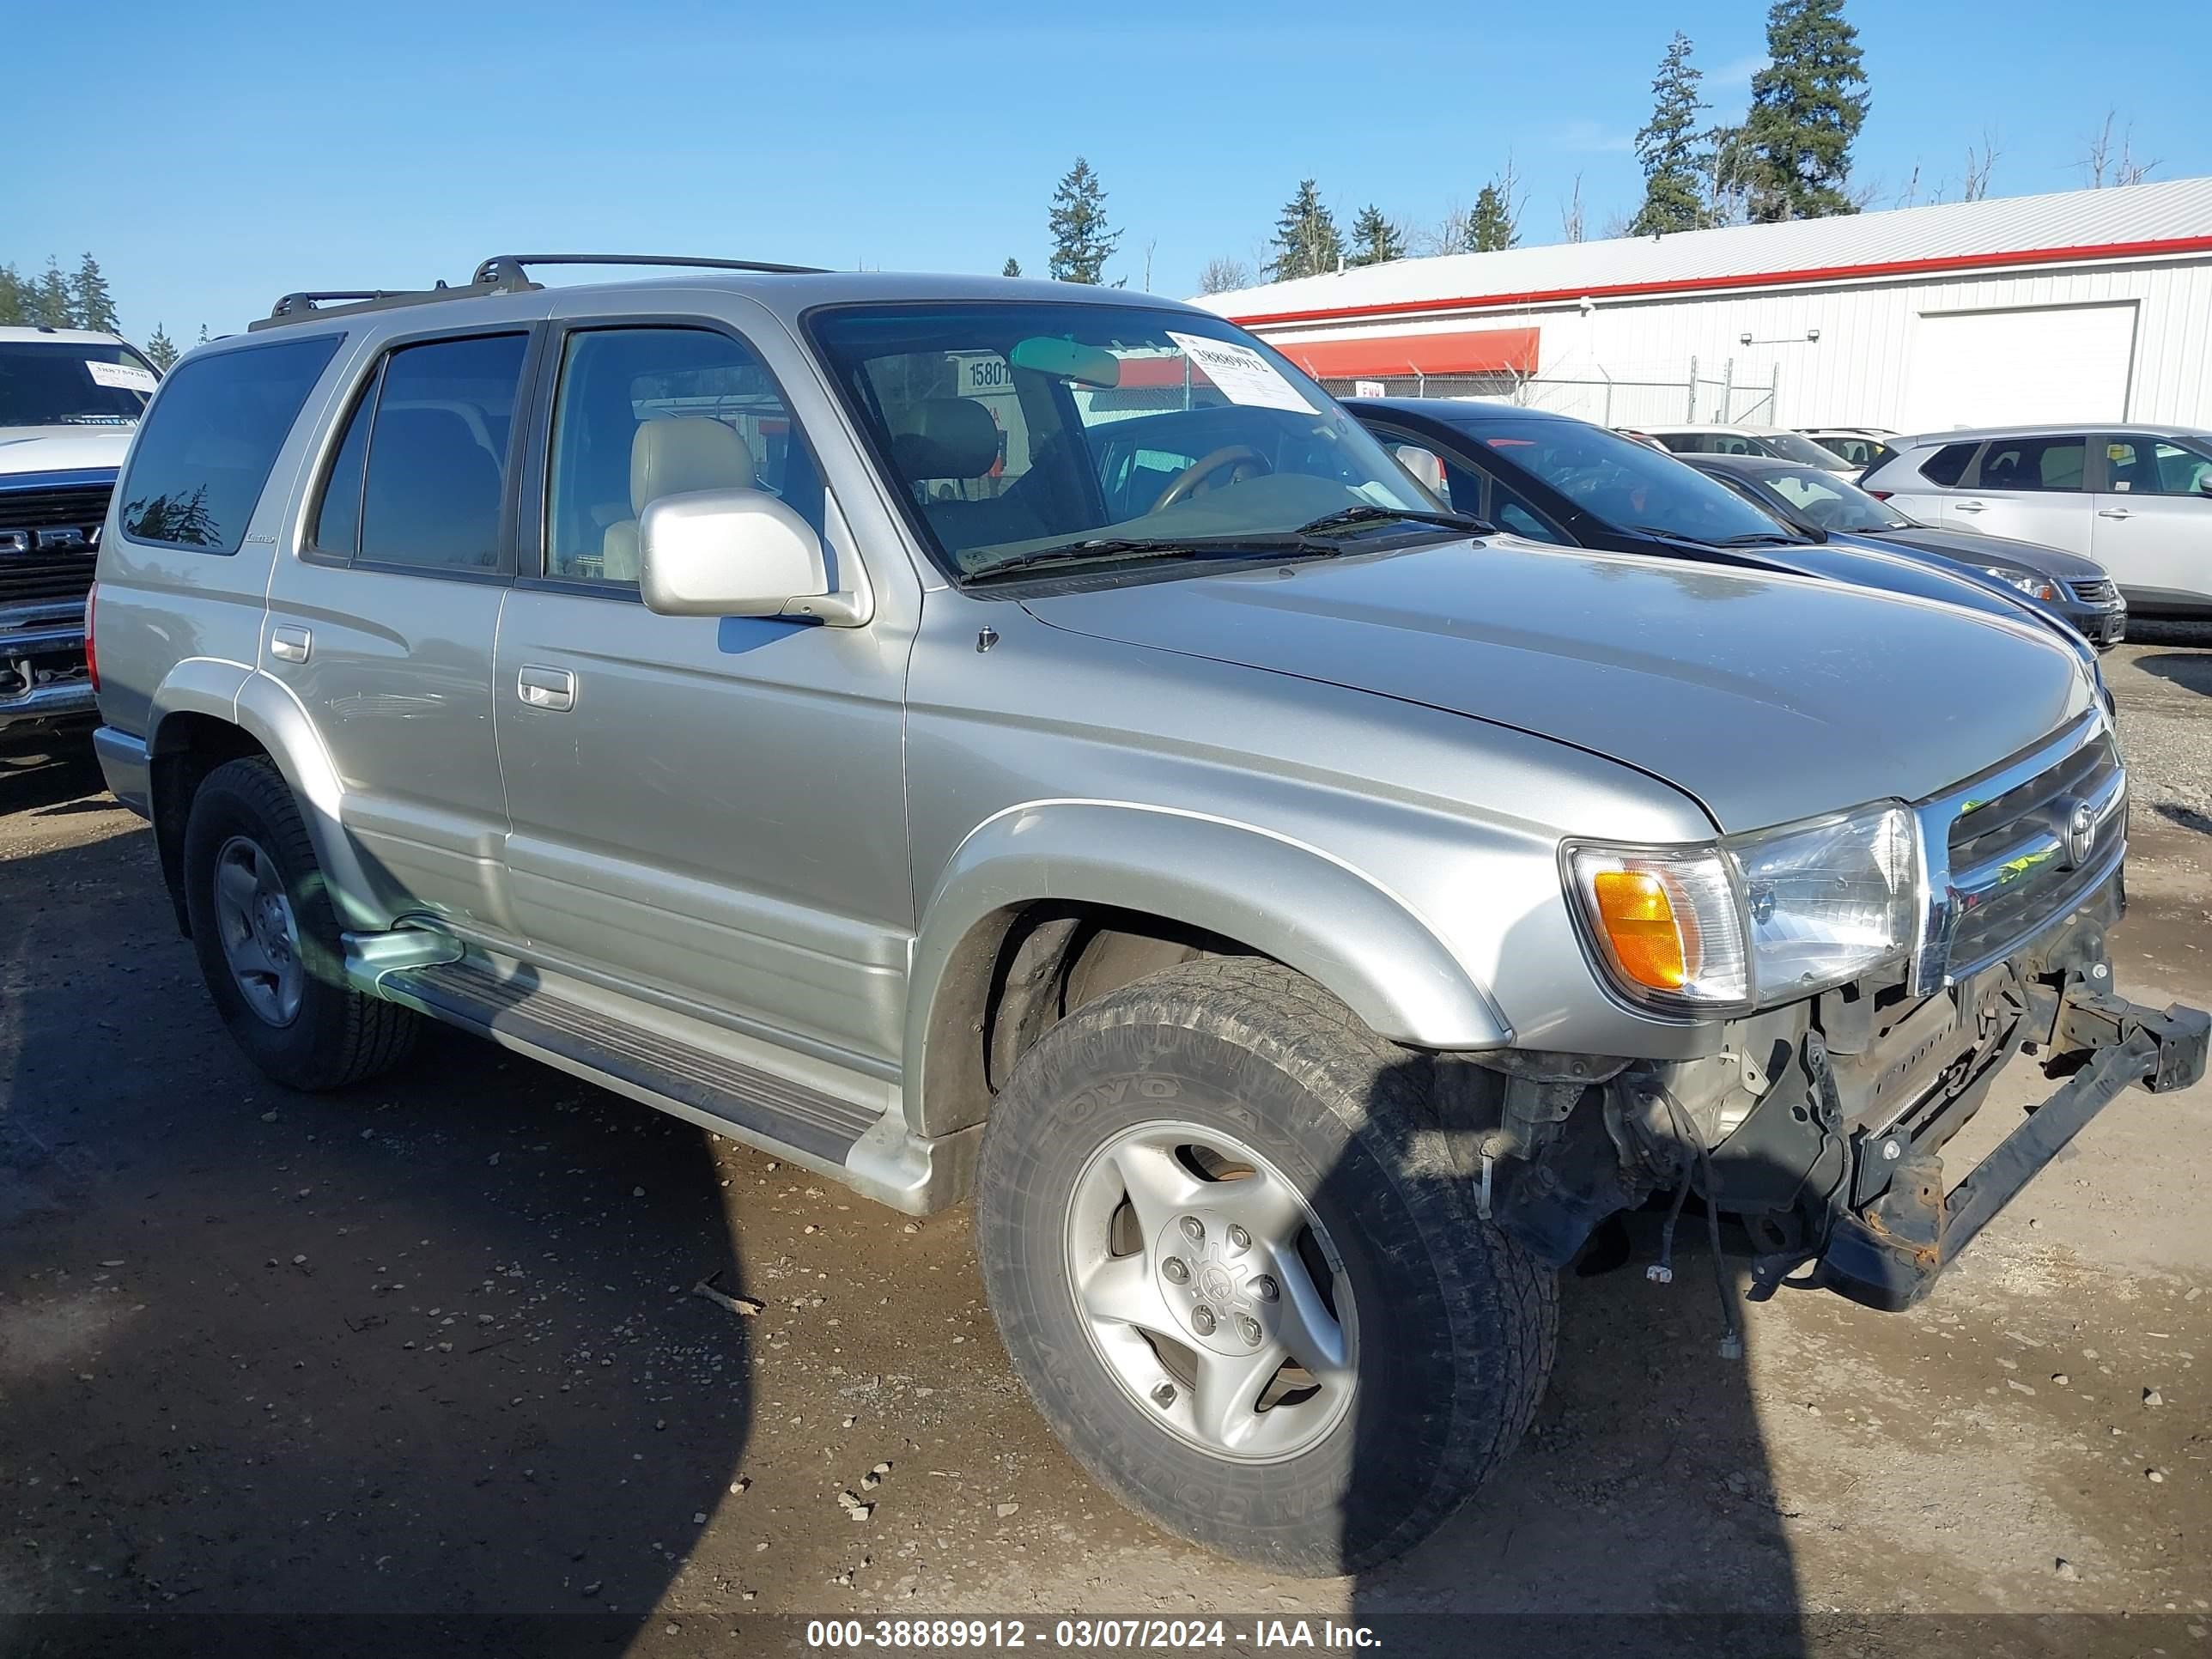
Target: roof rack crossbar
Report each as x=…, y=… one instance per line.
x=501, y=265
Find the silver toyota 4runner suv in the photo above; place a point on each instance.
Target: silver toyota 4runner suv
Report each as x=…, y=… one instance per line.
x=991, y=738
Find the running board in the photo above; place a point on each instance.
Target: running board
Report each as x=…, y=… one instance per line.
x=520, y=1013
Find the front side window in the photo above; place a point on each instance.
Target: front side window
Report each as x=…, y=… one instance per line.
x=203, y=458
x=1624, y=483
x=2145, y=466
x=2034, y=464
x=72, y=383
x=1022, y=432
x=645, y=412
x=436, y=462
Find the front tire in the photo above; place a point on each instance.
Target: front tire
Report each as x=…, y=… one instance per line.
x=1246, y=1291
x=268, y=938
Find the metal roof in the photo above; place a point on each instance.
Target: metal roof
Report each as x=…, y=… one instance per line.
x=2174, y=216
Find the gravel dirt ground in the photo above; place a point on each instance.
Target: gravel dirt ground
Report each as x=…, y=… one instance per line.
x=433, y=1346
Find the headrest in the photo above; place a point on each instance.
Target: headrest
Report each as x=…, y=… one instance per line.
x=667, y=457
x=945, y=438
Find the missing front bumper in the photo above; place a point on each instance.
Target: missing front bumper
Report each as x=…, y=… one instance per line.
x=1887, y=1253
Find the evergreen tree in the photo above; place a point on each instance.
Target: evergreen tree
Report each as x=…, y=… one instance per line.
x=1082, y=242
x=14, y=297
x=90, y=301
x=162, y=350
x=1375, y=239
x=50, y=301
x=1667, y=147
x=1491, y=226
x=203, y=334
x=1806, y=107
x=1013, y=267
x=1307, y=237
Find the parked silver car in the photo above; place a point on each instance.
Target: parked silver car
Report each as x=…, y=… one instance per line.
x=2135, y=499
x=1296, y=914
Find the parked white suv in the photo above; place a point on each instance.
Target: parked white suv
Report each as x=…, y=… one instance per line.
x=2136, y=499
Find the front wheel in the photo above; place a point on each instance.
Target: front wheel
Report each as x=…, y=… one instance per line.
x=1241, y=1286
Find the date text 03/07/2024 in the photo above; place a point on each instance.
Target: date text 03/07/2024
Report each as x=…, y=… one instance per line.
x=1081, y=1635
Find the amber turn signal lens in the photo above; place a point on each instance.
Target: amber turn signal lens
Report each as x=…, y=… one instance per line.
x=1640, y=924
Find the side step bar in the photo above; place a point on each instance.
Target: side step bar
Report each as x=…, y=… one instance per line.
x=871, y=1152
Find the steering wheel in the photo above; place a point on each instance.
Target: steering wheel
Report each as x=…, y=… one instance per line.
x=1206, y=466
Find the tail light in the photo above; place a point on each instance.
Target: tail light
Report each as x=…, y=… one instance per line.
x=1881, y=495
x=91, y=657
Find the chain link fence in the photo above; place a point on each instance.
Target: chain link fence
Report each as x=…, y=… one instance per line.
x=1688, y=395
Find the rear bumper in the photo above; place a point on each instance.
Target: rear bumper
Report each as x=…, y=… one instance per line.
x=1888, y=1252
x=124, y=764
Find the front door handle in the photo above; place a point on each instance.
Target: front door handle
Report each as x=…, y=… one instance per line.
x=290, y=642
x=2114, y=512
x=1966, y=507
x=550, y=689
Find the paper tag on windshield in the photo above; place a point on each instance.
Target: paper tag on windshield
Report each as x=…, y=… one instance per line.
x=1242, y=375
x=127, y=376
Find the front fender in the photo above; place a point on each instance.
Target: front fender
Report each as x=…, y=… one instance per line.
x=267, y=711
x=1305, y=907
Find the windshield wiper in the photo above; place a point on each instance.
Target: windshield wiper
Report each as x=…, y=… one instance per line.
x=1152, y=547
x=1368, y=514
x=1767, y=539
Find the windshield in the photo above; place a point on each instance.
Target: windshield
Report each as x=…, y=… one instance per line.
x=72, y=383
x=1629, y=485
x=1795, y=447
x=1822, y=498
x=1029, y=433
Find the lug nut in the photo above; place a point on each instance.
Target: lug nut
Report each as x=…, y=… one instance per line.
x=1176, y=1269
x=1266, y=1288
x=1194, y=1230
x=1249, y=1328
x=1202, y=1320
x=1239, y=1237
x=1165, y=1395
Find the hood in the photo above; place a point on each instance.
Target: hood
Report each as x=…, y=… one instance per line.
x=63, y=448
x=1766, y=696
x=1973, y=547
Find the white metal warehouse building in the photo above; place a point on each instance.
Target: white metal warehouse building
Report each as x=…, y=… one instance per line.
x=2092, y=305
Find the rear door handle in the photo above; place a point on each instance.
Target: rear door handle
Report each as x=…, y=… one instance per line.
x=1966, y=507
x=550, y=689
x=290, y=642
x=2114, y=512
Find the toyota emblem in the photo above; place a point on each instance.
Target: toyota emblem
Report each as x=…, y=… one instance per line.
x=2081, y=834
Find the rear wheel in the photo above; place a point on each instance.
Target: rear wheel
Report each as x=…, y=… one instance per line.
x=1245, y=1290
x=268, y=938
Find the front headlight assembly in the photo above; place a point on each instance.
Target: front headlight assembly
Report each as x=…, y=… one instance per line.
x=2035, y=587
x=1753, y=920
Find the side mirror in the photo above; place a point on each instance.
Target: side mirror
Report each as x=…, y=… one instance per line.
x=734, y=553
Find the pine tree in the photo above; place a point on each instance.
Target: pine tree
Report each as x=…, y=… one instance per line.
x=1307, y=236
x=162, y=350
x=1491, y=226
x=1806, y=107
x=1667, y=147
x=50, y=301
x=203, y=334
x=1013, y=267
x=14, y=297
x=1375, y=239
x=1082, y=242
x=90, y=302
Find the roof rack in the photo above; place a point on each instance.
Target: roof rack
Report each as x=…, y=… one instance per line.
x=503, y=273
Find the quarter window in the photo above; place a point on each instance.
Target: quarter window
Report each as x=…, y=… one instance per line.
x=1948, y=464
x=436, y=467
x=641, y=413
x=204, y=454
x=2034, y=464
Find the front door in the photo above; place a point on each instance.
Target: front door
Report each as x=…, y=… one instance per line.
x=2153, y=529
x=383, y=625
x=2030, y=490
x=711, y=810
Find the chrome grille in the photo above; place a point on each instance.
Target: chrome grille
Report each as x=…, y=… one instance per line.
x=2096, y=593
x=2004, y=864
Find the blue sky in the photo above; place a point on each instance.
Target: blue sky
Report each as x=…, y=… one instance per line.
x=213, y=155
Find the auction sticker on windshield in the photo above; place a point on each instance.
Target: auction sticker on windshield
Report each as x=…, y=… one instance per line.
x=127, y=376
x=1242, y=374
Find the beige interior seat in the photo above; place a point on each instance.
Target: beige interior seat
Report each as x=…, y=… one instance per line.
x=667, y=457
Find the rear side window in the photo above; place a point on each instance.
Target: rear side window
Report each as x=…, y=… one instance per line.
x=435, y=457
x=2034, y=463
x=205, y=452
x=1948, y=464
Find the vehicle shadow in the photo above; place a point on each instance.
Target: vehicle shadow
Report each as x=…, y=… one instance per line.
x=411, y=1367
x=1638, y=1514
x=48, y=773
x=2189, y=669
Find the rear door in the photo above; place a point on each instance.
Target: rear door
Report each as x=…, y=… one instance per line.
x=2032, y=490
x=383, y=626
x=2152, y=528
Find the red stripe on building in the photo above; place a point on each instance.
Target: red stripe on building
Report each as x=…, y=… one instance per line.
x=1379, y=356
x=1748, y=279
